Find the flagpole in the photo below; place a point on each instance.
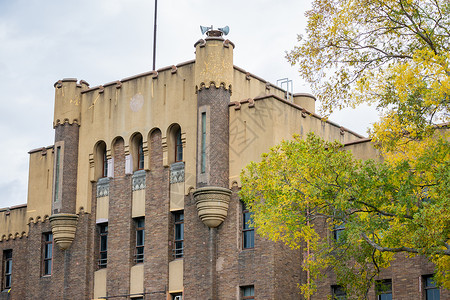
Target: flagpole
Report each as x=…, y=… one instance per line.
x=154, y=37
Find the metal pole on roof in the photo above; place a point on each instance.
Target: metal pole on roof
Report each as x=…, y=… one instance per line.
x=154, y=36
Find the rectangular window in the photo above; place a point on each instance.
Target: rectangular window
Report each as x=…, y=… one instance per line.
x=338, y=231
x=103, y=234
x=248, y=232
x=7, y=269
x=203, y=159
x=248, y=292
x=179, y=234
x=383, y=289
x=140, y=155
x=431, y=290
x=177, y=296
x=338, y=292
x=58, y=158
x=178, y=146
x=140, y=233
x=105, y=165
x=47, y=249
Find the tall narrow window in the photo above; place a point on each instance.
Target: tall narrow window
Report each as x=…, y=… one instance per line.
x=248, y=292
x=248, y=232
x=140, y=155
x=431, y=290
x=103, y=234
x=179, y=234
x=105, y=165
x=178, y=146
x=140, y=233
x=338, y=293
x=47, y=248
x=7, y=269
x=203, y=159
x=58, y=158
x=383, y=289
x=338, y=231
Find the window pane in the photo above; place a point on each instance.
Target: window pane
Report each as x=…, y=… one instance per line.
x=433, y=294
x=47, y=267
x=249, y=239
x=140, y=238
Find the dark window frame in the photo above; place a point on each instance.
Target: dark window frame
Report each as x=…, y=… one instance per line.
x=140, y=154
x=178, y=237
x=140, y=239
x=203, y=145
x=383, y=288
x=248, y=231
x=337, y=232
x=430, y=287
x=178, y=146
x=47, y=247
x=103, y=245
x=7, y=269
x=251, y=289
x=338, y=292
x=104, y=164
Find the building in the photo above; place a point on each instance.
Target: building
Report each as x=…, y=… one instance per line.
x=138, y=196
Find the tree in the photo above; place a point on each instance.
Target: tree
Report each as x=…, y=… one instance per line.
x=301, y=186
x=394, y=54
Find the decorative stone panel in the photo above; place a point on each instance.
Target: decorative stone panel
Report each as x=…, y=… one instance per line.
x=212, y=204
x=103, y=187
x=63, y=229
x=177, y=172
x=138, y=182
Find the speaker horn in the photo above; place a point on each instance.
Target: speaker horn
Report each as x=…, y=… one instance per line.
x=205, y=29
x=225, y=30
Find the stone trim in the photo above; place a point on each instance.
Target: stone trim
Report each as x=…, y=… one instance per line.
x=103, y=187
x=138, y=181
x=177, y=172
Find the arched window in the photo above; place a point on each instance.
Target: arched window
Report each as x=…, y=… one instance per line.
x=178, y=146
x=140, y=162
x=105, y=164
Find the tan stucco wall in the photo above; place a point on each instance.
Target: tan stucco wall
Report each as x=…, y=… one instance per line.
x=138, y=205
x=137, y=279
x=13, y=222
x=100, y=283
x=140, y=105
x=364, y=150
x=254, y=130
x=176, y=276
x=102, y=213
x=176, y=196
x=40, y=184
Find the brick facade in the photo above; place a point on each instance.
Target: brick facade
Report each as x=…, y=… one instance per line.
x=215, y=265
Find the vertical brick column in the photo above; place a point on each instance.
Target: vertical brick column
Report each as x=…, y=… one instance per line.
x=68, y=134
x=157, y=252
x=215, y=100
x=120, y=244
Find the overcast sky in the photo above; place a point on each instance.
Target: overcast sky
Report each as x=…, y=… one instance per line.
x=106, y=40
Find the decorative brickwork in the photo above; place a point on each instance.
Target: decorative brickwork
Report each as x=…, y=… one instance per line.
x=69, y=134
x=120, y=256
x=157, y=249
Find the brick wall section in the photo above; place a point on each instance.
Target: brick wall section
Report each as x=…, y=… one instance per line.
x=197, y=279
x=40, y=287
x=288, y=272
x=120, y=252
x=69, y=133
x=79, y=261
x=404, y=273
x=19, y=268
x=156, y=249
x=217, y=99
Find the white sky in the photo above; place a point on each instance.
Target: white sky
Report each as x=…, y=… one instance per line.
x=106, y=40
